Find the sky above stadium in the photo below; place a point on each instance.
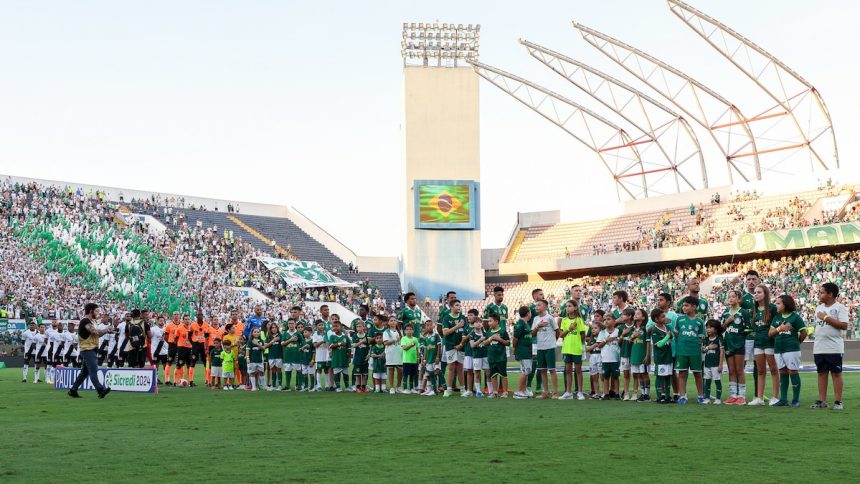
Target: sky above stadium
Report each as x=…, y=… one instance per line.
x=300, y=103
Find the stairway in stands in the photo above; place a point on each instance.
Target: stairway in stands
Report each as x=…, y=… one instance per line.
x=290, y=237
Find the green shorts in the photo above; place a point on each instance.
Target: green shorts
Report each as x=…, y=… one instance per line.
x=498, y=369
x=610, y=369
x=735, y=344
x=545, y=359
x=575, y=359
x=323, y=365
x=691, y=363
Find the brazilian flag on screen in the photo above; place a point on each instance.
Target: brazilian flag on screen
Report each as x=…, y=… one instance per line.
x=444, y=204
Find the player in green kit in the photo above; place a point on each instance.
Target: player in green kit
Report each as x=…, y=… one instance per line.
x=454, y=337
x=763, y=344
x=242, y=361
x=306, y=351
x=377, y=356
x=747, y=302
x=736, y=323
x=338, y=344
x=290, y=341
x=380, y=324
x=215, y=365
x=689, y=331
x=364, y=318
x=788, y=331
x=714, y=351
x=431, y=342
x=625, y=330
x=450, y=297
x=275, y=357
x=476, y=356
x=702, y=308
x=639, y=354
x=497, y=307
x=660, y=338
x=360, y=355
x=410, y=314
x=254, y=354
x=496, y=340
x=619, y=303
x=522, y=341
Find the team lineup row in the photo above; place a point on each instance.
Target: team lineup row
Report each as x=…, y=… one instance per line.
x=407, y=353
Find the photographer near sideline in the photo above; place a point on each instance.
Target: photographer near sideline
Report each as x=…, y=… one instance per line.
x=137, y=333
x=88, y=335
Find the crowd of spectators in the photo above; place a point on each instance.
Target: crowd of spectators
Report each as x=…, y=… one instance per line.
x=211, y=263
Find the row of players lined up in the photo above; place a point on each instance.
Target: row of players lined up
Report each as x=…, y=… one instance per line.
x=755, y=329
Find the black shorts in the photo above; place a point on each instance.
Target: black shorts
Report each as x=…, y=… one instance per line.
x=360, y=369
x=183, y=355
x=136, y=358
x=161, y=360
x=171, y=353
x=198, y=353
x=29, y=358
x=43, y=360
x=828, y=362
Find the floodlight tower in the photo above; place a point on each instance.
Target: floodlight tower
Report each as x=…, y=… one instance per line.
x=441, y=160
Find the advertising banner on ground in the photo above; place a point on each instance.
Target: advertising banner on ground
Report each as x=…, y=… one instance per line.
x=138, y=380
x=303, y=273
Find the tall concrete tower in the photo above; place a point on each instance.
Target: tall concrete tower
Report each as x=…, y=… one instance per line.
x=442, y=160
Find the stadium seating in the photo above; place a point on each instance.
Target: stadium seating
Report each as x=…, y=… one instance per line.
x=674, y=226
x=288, y=235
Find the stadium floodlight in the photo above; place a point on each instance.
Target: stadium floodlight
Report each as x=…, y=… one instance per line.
x=799, y=106
x=670, y=142
x=616, y=150
x=451, y=42
x=722, y=119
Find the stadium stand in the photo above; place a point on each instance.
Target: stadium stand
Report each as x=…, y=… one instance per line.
x=63, y=246
x=678, y=226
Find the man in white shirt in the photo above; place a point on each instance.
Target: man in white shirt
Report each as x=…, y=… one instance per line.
x=55, y=350
x=30, y=338
x=831, y=319
x=545, y=331
x=158, y=346
x=41, y=352
x=71, y=344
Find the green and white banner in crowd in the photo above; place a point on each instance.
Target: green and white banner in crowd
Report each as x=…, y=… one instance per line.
x=799, y=238
x=303, y=273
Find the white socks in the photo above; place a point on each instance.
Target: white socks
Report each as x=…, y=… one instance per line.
x=26, y=371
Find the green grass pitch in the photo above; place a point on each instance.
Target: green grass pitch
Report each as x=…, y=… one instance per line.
x=196, y=434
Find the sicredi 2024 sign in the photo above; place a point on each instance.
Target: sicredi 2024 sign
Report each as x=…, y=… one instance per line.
x=139, y=380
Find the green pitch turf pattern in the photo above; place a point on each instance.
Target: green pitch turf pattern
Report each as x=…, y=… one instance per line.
x=206, y=435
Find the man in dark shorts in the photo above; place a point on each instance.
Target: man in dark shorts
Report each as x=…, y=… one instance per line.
x=137, y=333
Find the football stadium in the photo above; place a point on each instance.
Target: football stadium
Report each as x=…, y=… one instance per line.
x=704, y=307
